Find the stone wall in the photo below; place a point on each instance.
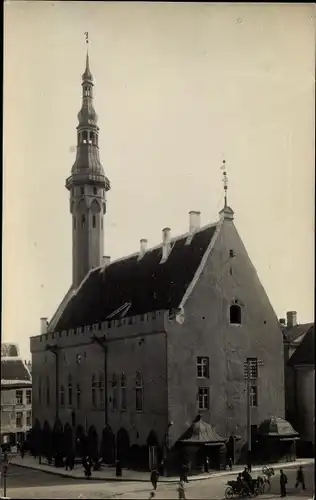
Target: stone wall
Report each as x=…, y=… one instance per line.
x=206, y=331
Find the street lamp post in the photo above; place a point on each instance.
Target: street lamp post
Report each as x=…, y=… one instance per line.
x=251, y=375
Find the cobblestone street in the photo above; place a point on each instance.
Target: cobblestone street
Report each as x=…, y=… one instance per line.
x=213, y=488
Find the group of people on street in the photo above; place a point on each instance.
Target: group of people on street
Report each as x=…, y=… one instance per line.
x=245, y=479
x=156, y=471
x=300, y=479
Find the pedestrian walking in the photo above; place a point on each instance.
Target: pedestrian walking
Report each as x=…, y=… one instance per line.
x=300, y=479
x=230, y=463
x=118, y=468
x=154, y=478
x=162, y=467
x=185, y=469
x=207, y=464
x=283, y=483
x=181, y=492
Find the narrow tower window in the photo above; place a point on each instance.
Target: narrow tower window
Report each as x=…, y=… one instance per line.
x=85, y=137
x=87, y=91
x=69, y=390
x=94, y=391
x=82, y=190
x=91, y=141
x=101, y=223
x=235, y=314
x=74, y=223
x=94, y=222
x=94, y=190
x=78, y=393
x=83, y=220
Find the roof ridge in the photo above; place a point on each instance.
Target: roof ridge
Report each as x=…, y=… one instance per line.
x=172, y=240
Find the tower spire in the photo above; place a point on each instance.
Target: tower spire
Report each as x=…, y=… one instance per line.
x=225, y=182
x=226, y=213
x=87, y=185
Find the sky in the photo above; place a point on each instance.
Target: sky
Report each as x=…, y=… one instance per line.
x=178, y=88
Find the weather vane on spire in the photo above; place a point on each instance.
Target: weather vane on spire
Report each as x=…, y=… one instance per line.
x=225, y=182
x=87, y=36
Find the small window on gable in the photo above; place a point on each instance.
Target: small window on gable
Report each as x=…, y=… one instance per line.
x=235, y=314
x=231, y=253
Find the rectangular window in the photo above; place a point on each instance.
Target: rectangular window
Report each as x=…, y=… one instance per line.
x=28, y=418
x=28, y=397
x=253, y=368
x=19, y=419
x=114, y=398
x=123, y=398
x=203, y=398
x=19, y=397
x=253, y=396
x=139, y=399
x=203, y=365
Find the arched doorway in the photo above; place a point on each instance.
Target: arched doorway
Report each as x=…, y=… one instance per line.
x=34, y=440
x=122, y=446
x=58, y=445
x=93, y=443
x=108, y=446
x=81, y=444
x=153, y=450
x=68, y=439
x=46, y=441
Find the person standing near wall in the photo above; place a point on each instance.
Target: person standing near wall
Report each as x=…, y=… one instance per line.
x=283, y=483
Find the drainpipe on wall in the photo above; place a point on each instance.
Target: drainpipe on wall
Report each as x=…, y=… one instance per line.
x=54, y=349
x=102, y=343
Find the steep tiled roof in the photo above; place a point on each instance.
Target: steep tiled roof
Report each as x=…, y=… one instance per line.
x=305, y=352
x=293, y=334
x=14, y=369
x=145, y=284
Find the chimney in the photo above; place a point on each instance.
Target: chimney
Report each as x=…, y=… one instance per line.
x=106, y=259
x=143, y=247
x=282, y=321
x=195, y=221
x=291, y=317
x=44, y=325
x=165, y=243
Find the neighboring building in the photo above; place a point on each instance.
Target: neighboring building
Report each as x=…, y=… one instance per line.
x=141, y=346
x=16, y=398
x=299, y=359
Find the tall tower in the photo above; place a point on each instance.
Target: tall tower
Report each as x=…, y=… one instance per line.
x=87, y=186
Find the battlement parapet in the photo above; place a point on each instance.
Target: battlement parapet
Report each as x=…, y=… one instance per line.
x=113, y=329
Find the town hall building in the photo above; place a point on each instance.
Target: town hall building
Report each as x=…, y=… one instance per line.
x=148, y=351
